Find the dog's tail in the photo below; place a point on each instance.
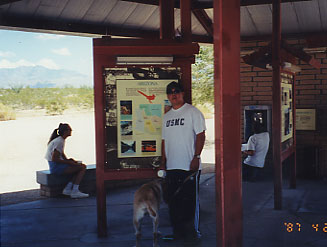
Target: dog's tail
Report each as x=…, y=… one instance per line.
x=151, y=211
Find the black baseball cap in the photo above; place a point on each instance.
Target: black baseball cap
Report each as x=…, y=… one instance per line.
x=174, y=85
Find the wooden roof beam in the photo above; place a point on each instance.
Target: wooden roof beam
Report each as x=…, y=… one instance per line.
x=167, y=24
x=307, y=35
x=51, y=26
x=4, y=2
x=90, y=30
x=262, y=2
x=194, y=5
x=319, y=40
x=204, y=19
x=288, y=53
x=208, y=4
x=301, y=55
x=186, y=23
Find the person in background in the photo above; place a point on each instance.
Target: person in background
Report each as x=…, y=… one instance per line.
x=256, y=151
x=60, y=164
x=183, y=137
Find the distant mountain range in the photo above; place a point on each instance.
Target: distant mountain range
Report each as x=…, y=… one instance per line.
x=41, y=77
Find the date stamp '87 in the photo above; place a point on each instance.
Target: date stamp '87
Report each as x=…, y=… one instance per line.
x=298, y=227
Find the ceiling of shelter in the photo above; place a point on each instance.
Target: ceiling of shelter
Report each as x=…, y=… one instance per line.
x=140, y=18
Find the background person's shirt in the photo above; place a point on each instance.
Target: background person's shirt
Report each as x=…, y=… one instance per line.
x=260, y=144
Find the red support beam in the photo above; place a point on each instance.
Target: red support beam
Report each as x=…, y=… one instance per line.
x=99, y=105
x=227, y=123
x=187, y=82
x=167, y=28
x=276, y=107
x=186, y=24
x=204, y=19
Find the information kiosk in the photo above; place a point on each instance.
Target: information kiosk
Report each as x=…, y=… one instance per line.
x=130, y=78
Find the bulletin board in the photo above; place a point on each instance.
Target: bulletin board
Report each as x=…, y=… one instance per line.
x=287, y=106
x=136, y=101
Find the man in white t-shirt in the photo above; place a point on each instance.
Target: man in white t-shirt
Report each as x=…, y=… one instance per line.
x=257, y=148
x=183, y=137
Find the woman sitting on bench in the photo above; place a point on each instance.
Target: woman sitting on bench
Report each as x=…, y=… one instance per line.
x=60, y=164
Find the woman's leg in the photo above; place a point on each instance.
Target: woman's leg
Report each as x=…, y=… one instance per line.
x=78, y=171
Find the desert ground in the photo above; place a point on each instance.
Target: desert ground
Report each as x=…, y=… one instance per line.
x=23, y=145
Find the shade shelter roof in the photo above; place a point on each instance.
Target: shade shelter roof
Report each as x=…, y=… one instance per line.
x=140, y=18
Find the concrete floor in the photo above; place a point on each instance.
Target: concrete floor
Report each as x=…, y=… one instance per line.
x=60, y=222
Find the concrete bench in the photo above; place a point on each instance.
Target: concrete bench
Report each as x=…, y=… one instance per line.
x=51, y=185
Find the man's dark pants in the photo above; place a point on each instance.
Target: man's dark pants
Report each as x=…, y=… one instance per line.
x=183, y=205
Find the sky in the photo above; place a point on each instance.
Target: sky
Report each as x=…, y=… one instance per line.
x=49, y=50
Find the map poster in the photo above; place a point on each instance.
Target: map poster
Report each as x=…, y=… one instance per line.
x=141, y=105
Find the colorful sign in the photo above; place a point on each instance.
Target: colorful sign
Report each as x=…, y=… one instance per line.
x=141, y=105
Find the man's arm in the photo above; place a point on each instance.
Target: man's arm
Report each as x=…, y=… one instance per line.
x=249, y=152
x=199, y=143
x=251, y=146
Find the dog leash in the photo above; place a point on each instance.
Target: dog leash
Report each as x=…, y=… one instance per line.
x=181, y=186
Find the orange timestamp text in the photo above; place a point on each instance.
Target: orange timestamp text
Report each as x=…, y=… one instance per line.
x=297, y=227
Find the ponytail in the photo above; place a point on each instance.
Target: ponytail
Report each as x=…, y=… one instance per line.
x=59, y=131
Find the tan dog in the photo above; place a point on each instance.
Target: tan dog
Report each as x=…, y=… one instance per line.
x=147, y=200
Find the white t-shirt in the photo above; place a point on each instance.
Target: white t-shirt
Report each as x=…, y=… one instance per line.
x=260, y=144
x=179, y=130
x=56, y=144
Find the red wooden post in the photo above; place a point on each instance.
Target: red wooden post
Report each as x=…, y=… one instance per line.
x=99, y=107
x=227, y=123
x=187, y=82
x=167, y=29
x=186, y=24
x=276, y=107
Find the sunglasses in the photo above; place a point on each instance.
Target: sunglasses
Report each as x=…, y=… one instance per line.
x=174, y=91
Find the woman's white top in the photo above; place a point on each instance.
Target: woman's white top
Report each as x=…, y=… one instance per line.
x=56, y=144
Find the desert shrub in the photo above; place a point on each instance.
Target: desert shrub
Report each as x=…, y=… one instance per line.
x=6, y=113
x=16, y=87
x=55, y=107
x=45, y=98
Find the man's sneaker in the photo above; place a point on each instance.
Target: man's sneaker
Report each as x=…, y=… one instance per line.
x=67, y=191
x=195, y=237
x=171, y=237
x=78, y=194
